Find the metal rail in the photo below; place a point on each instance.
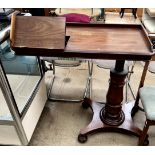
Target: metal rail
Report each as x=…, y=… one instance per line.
x=4, y=34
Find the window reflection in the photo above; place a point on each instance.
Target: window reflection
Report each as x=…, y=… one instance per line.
x=23, y=74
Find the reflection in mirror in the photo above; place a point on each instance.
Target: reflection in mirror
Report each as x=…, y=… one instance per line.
x=23, y=74
x=4, y=110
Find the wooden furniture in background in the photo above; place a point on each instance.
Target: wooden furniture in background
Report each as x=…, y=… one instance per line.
x=139, y=11
x=133, y=10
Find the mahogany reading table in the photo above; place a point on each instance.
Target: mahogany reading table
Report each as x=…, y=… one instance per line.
x=90, y=41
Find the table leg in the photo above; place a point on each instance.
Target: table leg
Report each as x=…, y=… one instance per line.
x=122, y=12
x=102, y=16
x=111, y=117
x=134, y=11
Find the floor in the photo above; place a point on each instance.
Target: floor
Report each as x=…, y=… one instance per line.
x=114, y=17
x=20, y=85
x=61, y=122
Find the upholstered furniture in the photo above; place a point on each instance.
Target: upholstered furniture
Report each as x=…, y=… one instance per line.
x=91, y=12
x=67, y=63
x=148, y=20
x=151, y=12
x=76, y=17
x=147, y=96
x=151, y=67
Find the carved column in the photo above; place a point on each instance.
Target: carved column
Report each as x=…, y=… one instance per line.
x=112, y=113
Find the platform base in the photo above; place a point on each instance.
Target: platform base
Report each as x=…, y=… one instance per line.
x=97, y=125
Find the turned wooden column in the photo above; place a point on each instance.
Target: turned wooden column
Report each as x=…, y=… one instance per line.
x=112, y=113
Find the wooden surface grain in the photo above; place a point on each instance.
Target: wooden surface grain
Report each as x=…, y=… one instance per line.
x=45, y=36
x=109, y=40
x=35, y=34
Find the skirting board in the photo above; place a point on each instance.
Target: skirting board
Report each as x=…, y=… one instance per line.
x=32, y=116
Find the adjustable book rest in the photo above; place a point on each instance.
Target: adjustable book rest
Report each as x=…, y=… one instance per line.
x=39, y=36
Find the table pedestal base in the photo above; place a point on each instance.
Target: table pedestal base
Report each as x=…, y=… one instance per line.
x=97, y=125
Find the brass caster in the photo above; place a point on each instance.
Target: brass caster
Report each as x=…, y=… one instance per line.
x=134, y=110
x=82, y=138
x=85, y=105
x=146, y=141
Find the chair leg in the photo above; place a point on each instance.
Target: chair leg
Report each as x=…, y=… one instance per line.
x=52, y=67
x=102, y=15
x=128, y=82
x=143, y=136
x=122, y=12
x=88, y=91
x=126, y=95
x=134, y=11
x=90, y=85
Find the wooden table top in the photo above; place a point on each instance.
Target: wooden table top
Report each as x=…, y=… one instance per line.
x=36, y=35
x=45, y=36
x=109, y=41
